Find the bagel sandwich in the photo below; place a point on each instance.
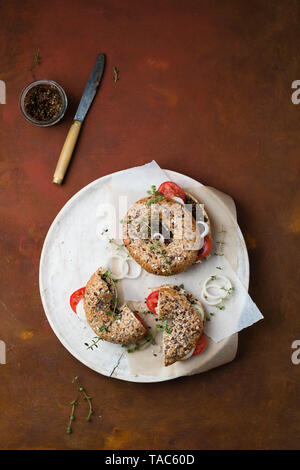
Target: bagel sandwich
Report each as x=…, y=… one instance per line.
x=183, y=319
x=108, y=321
x=151, y=227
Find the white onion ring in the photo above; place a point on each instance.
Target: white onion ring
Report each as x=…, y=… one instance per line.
x=188, y=355
x=214, y=285
x=206, y=228
x=124, y=271
x=159, y=236
x=200, y=309
x=216, y=301
x=133, y=276
x=178, y=199
x=215, y=298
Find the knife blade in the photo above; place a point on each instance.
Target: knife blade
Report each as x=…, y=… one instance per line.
x=84, y=105
x=90, y=89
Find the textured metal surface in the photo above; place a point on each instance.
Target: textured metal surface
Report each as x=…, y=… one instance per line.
x=205, y=89
x=90, y=89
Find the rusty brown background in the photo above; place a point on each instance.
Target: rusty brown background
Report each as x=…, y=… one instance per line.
x=205, y=89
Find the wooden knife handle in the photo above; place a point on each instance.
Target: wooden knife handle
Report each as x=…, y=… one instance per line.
x=66, y=152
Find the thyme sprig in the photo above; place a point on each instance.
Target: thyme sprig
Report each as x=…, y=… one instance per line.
x=86, y=397
x=73, y=403
x=156, y=196
x=114, y=282
x=94, y=343
x=163, y=327
x=120, y=246
x=140, y=345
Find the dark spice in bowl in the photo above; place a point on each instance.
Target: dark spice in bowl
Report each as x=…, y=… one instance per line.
x=43, y=102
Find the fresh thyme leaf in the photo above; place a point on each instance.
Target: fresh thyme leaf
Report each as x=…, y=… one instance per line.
x=37, y=58
x=104, y=231
x=213, y=278
x=156, y=196
x=181, y=286
x=154, y=200
x=119, y=246
x=150, y=339
x=218, y=267
x=164, y=327
x=103, y=328
x=221, y=307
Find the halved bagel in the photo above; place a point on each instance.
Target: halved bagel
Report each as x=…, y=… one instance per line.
x=113, y=324
x=185, y=320
x=177, y=252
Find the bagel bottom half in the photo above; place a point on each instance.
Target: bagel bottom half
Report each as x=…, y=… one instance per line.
x=110, y=323
x=184, y=318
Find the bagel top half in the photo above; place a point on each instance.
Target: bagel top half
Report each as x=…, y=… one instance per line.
x=110, y=323
x=185, y=319
x=180, y=248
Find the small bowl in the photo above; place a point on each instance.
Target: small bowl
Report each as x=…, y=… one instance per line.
x=56, y=118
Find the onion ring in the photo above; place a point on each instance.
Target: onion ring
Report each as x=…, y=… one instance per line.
x=159, y=236
x=188, y=355
x=124, y=272
x=138, y=267
x=206, y=228
x=215, y=298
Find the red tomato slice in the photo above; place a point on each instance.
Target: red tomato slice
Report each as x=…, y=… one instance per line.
x=152, y=301
x=200, y=346
x=206, y=249
x=76, y=297
x=170, y=189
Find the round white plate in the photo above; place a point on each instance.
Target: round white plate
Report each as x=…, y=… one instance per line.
x=73, y=330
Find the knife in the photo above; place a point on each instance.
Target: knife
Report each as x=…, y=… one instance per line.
x=84, y=105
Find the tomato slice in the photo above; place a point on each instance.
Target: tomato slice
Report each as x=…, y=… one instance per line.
x=170, y=189
x=206, y=249
x=76, y=297
x=152, y=301
x=200, y=346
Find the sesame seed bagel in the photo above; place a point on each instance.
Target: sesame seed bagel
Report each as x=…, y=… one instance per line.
x=185, y=318
x=170, y=219
x=108, y=322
